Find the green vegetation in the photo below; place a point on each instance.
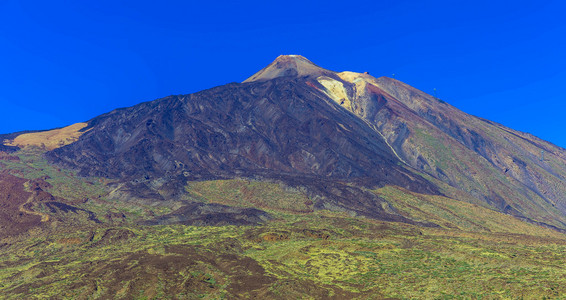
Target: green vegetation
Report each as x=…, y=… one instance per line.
x=68, y=184
x=339, y=255
x=456, y=166
x=88, y=193
x=476, y=253
x=454, y=214
x=246, y=193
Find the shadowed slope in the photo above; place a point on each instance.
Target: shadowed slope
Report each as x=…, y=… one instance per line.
x=280, y=129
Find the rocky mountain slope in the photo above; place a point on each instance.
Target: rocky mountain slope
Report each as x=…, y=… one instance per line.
x=298, y=182
x=280, y=130
x=317, y=129
x=510, y=171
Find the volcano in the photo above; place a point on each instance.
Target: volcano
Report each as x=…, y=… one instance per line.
x=299, y=181
x=331, y=133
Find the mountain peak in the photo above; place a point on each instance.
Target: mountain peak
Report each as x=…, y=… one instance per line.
x=288, y=66
x=285, y=57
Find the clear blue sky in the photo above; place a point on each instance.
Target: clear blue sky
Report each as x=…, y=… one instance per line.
x=63, y=62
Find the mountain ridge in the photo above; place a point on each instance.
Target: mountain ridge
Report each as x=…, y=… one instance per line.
x=490, y=164
x=300, y=183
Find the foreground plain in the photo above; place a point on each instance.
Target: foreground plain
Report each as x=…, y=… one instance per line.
x=78, y=244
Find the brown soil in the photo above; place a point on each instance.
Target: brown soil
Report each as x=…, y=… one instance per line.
x=317, y=234
x=275, y=236
x=70, y=241
x=14, y=218
x=19, y=202
x=182, y=270
x=8, y=157
x=115, y=235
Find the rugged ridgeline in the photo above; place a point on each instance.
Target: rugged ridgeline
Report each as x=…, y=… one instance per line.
x=490, y=163
x=469, y=158
x=334, y=135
